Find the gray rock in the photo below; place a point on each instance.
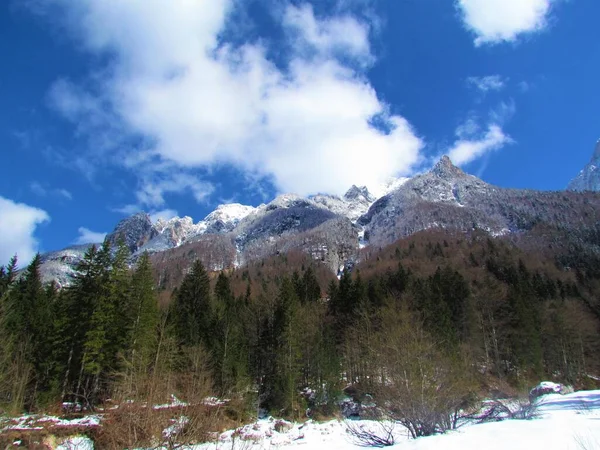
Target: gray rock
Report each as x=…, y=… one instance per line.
x=589, y=178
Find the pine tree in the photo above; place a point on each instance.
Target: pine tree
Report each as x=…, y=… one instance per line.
x=287, y=351
x=7, y=275
x=99, y=344
x=28, y=323
x=191, y=310
x=229, y=345
x=144, y=313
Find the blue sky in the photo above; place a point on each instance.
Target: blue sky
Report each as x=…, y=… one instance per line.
x=173, y=107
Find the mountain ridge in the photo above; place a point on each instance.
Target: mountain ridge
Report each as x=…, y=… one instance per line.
x=336, y=229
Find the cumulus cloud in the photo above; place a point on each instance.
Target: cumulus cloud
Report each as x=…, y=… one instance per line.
x=488, y=83
x=153, y=189
x=471, y=146
x=343, y=35
x=495, y=21
x=18, y=223
x=87, y=236
x=196, y=101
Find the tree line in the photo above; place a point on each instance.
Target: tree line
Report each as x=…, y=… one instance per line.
x=412, y=318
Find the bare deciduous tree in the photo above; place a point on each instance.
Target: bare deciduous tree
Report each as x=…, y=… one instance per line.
x=421, y=386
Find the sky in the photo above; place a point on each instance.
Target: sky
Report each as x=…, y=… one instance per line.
x=172, y=107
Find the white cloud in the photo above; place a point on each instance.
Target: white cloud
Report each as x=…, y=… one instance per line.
x=127, y=210
x=132, y=209
x=474, y=141
x=495, y=21
x=17, y=226
x=466, y=150
x=197, y=103
x=87, y=236
x=502, y=113
x=343, y=35
x=64, y=194
x=38, y=189
x=165, y=214
x=488, y=83
x=41, y=191
x=153, y=189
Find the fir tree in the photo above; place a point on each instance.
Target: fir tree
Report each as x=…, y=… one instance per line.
x=144, y=314
x=191, y=310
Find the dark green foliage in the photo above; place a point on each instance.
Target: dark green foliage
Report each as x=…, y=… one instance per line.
x=229, y=343
x=191, y=310
x=268, y=336
x=307, y=287
x=142, y=314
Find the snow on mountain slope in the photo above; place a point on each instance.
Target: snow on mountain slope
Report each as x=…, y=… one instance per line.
x=179, y=230
x=171, y=233
x=135, y=231
x=354, y=204
x=444, y=197
x=226, y=217
x=389, y=186
x=59, y=266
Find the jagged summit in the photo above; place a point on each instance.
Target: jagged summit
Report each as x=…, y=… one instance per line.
x=135, y=231
x=446, y=169
x=589, y=178
x=359, y=193
x=333, y=229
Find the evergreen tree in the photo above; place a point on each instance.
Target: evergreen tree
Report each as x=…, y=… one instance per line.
x=28, y=322
x=7, y=275
x=144, y=313
x=307, y=287
x=191, y=310
x=287, y=351
x=228, y=343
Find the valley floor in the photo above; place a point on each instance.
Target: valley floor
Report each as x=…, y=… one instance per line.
x=565, y=422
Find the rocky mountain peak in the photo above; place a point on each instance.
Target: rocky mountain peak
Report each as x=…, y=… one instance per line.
x=446, y=169
x=135, y=230
x=589, y=178
x=359, y=193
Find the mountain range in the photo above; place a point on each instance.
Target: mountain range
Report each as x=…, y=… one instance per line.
x=335, y=230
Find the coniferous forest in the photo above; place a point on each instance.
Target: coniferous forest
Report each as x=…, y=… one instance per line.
x=452, y=317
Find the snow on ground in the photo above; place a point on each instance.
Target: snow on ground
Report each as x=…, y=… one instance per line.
x=38, y=422
x=77, y=443
x=565, y=422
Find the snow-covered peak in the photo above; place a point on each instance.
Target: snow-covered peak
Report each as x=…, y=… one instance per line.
x=389, y=186
x=162, y=224
x=361, y=193
x=354, y=204
x=172, y=233
x=135, y=231
x=445, y=169
x=286, y=201
x=232, y=212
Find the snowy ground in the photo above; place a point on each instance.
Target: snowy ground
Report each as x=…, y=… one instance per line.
x=565, y=422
